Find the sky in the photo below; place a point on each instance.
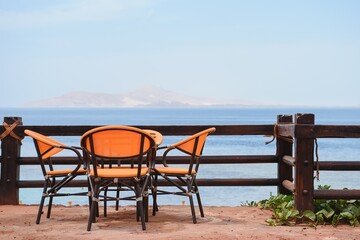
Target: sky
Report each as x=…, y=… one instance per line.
x=259, y=52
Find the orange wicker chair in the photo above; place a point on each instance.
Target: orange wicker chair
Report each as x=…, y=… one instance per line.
x=118, y=156
x=55, y=178
x=158, y=140
x=178, y=177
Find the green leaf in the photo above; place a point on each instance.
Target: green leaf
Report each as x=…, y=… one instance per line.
x=271, y=222
x=347, y=215
x=354, y=222
x=294, y=213
x=286, y=214
x=330, y=213
x=322, y=212
x=319, y=218
x=310, y=215
x=325, y=187
x=335, y=220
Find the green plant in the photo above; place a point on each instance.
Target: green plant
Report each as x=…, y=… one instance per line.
x=337, y=211
x=325, y=211
x=283, y=209
x=248, y=204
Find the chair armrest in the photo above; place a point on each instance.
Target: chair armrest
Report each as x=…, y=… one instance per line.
x=77, y=153
x=168, y=149
x=162, y=147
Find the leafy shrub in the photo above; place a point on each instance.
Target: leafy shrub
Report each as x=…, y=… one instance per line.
x=325, y=211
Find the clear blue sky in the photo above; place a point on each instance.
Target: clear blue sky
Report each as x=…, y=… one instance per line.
x=288, y=52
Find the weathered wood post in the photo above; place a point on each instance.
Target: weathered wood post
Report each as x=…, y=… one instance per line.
x=10, y=153
x=284, y=148
x=304, y=166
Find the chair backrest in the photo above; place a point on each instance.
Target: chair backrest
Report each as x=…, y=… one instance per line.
x=195, y=143
x=45, y=146
x=117, y=142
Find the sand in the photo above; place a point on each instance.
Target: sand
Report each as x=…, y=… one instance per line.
x=171, y=222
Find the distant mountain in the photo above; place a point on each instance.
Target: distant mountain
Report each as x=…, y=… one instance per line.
x=143, y=97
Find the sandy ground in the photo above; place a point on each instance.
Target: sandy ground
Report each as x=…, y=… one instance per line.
x=171, y=222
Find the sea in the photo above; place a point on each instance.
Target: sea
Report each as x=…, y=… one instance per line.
x=329, y=149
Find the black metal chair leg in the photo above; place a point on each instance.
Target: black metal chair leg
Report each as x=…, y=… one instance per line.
x=40, y=210
x=105, y=201
x=191, y=203
x=137, y=211
x=49, y=207
x=145, y=205
x=154, y=195
x=139, y=206
x=154, y=206
x=90, y=196
x=42, y=201
x=199, y=200
x=117, y=198
x=94, y=207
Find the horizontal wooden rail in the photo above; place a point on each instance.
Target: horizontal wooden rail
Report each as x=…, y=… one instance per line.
x=337, y=194
x=222, y=159
x=319, y=131
x=231, y=182
x=174, y=130
x=339, y=165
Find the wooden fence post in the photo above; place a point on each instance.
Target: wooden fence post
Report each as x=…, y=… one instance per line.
x=10, y=153
x=304, y=166
x=285, y=171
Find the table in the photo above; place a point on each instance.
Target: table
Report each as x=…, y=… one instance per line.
x=156, y=135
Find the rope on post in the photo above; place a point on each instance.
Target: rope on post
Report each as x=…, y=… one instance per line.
x=288, y=139
x=9, y=130
x=317, y=160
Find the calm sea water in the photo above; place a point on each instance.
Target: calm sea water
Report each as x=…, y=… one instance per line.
x=329, y=149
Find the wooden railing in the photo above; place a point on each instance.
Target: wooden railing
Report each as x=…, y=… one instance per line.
x=304, y=132
x=294, y=152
